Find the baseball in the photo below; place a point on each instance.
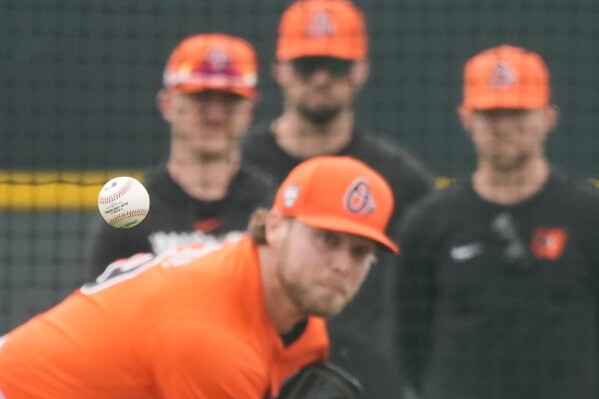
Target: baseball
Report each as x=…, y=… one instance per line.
x=123, y=202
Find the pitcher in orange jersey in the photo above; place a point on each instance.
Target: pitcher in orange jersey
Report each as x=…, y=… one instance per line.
x=231, y=321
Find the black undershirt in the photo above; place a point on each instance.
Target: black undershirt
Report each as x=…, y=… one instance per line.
x=296, y=331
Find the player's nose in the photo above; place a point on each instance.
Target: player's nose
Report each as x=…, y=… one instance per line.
x=215, y=110
x=321, y=76
x=342, y=261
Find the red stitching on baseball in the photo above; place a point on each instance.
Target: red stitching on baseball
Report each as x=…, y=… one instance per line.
x=118, y=194
x=132, y=212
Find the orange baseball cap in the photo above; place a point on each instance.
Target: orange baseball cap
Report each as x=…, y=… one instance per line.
x=338, y=193
x=330, y=28
x=506, y=77
x=213, y=62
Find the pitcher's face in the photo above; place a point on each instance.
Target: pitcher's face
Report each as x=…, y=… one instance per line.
x=322, y=270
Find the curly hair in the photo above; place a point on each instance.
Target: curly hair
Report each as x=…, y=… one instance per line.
x=256, y=226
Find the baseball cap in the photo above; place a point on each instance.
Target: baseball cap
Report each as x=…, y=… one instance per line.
x=506, y=77
x=338, y=193
x=330, y=28
x=213, y=62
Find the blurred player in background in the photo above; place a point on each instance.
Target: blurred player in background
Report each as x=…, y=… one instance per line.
x=321, y=65
x=500, y=272
x=200, y=193
x=222, y=321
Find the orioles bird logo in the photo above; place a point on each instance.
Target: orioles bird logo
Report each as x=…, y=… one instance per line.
x=320, y=25
x=549, y=243
x=358, y=198
x=502, y=76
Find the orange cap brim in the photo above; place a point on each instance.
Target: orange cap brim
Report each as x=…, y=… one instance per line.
x=191, y=88
x=340, y=224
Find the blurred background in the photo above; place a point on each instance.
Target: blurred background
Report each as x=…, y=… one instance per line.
x=78, y=80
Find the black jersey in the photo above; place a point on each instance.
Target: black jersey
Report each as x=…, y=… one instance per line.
x=502, y=301
x=362, y=335
x=176, y=218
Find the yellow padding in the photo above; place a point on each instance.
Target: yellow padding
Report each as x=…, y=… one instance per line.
x=77, y=190
x=55, y=190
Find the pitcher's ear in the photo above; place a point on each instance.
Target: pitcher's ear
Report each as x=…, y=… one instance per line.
x=273, y=225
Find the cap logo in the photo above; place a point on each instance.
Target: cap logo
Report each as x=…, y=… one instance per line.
x=217, y=59
x=502, y=76
x=320, y=25
x=217, y=63
x=216, y=68
x=290, y=195
x=358, y=198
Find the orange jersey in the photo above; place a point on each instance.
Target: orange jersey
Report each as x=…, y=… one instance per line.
x=188, y=324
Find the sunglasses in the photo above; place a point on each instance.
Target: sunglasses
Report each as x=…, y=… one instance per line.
x=336, y=67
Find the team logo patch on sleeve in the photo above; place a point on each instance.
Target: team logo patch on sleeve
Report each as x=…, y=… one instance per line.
x=358, y=198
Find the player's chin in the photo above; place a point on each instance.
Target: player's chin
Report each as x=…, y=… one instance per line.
x=214, y=152
x=328, y=304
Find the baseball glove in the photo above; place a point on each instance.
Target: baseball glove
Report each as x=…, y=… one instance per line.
x=321, y=381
